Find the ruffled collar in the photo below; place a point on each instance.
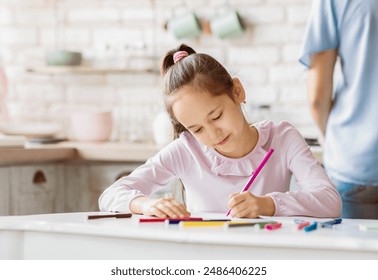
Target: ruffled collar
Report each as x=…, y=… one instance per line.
x=244, y=166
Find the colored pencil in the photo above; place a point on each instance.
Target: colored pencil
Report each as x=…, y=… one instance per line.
x=329, y=224
x=159, y=220
x=366, y=227
x=254, y=175
x=218, y=223
x=247, y=224
x=202, y=223
x=240, y=224
x=177, y=221
x=115, y=215
x=311, y=227
x=303, y=225
x=273, y=226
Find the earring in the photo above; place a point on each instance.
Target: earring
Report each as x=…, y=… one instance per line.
x=244, y=102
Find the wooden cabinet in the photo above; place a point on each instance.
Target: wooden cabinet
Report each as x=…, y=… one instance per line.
x=4, y=191
x=53, y=188
x=103, y=175
x=36, y=189
x=77, y=195
x=62, y=187
x=86, y=182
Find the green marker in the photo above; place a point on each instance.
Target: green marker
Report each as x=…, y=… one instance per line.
x=367, y=227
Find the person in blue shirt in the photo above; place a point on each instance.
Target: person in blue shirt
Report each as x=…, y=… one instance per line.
x=345, y=108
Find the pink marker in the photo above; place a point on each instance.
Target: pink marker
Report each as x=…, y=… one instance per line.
x=257, y=171
x=273, y=226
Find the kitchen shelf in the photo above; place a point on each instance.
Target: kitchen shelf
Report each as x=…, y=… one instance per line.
x=53, y=70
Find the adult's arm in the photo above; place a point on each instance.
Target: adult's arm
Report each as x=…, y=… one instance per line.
x=320, y=86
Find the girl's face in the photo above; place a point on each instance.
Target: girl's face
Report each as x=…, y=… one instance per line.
x=215, y=121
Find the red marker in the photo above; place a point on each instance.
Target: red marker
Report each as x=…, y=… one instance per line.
x=152, y=220
x=273, y=226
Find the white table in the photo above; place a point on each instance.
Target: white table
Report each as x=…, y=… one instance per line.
x=72, y=236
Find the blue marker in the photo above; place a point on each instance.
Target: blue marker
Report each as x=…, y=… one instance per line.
x=329, y=224
x=311, y=227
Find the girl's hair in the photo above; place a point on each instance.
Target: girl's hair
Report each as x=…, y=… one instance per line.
x=199, y=71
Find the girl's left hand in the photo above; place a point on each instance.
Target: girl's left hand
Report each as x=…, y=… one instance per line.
x=247, y=205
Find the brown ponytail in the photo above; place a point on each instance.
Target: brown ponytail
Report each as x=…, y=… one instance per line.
x=200, y=71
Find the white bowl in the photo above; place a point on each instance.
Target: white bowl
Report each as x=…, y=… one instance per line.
x=31, y=129
x=91, y=126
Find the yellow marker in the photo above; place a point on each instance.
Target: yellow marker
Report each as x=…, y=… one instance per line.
x=215, y=223
x=202, y=224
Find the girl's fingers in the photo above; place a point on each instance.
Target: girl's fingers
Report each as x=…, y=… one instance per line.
x=166, y=207
x=177, y=207
x=154, y=208
x=180, y=209
x=238, y=210
x=246, y=213
x=233, y=194
x=245, y=205
x=235, y=199
x=172, y=208
x=156, y=212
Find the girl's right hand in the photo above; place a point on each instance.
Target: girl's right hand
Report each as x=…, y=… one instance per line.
x=161, y=207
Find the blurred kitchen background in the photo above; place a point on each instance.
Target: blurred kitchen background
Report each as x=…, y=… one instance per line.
x=88, y=71
x=121, y=43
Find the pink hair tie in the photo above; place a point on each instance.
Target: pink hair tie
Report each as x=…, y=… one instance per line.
x=177, y=56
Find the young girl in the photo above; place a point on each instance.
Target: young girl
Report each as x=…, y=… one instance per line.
x=217, y=151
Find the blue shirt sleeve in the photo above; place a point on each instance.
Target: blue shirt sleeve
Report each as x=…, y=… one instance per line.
x=322, y=31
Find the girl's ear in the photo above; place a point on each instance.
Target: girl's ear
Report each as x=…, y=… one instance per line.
x=238, y=90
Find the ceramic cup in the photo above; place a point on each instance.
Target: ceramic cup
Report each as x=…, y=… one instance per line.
x=91, y=126
x=162, y=129
x=227, y=25
x=185, y=26
x=61, y=57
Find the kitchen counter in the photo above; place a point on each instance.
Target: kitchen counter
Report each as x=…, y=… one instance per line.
x=109, y=151
x=73, y=236
x=105, y=151
x=65, y=151
x=35, y=155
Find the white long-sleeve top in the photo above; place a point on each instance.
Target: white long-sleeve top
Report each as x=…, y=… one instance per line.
x=210, y=177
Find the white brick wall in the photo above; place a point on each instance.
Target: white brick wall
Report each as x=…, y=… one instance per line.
x=264, y=14
x=13, y=36
x=297, y=14
x=37, y=16
x=265, y=57
x=261, y=56
x=6, y=17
